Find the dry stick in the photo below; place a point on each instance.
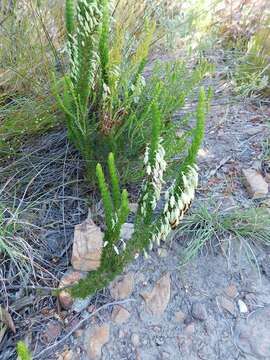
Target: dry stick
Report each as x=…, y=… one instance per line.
x=79, y=325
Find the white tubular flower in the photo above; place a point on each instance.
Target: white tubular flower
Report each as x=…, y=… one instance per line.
x=185, y=180
x=163, y=165
x=166, y=206
x=148, y=170
x=158, y=157
x=180, y=204
x=116, y=249
x=156, y=174
x=167, y=218
x=185, y=198
x=191, y=193
x=177, y=212
x=146, y=156
x=172, y=201
x=167, y=194
x=105, y=244
x=172, y=216
x=145, y=254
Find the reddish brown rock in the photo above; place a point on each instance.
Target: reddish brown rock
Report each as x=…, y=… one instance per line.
x=158, y=299
x=231, y=291
x=52, y=331
x=87, y=246
x=120, y=314
x=226, y=305
x=95, y=339
x=122, y=287
x=70, y=278
x=179, y=316
x=256, y=185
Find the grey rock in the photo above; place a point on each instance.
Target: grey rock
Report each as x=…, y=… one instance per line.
x=135, y=339
x=252, y=335
x=226, y=305
x=199, y=311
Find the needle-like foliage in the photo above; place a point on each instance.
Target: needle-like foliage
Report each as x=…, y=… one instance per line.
x=149, y=228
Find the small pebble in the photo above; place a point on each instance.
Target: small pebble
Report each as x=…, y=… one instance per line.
x=198, y=311
x=242, y=307
x=135, y=339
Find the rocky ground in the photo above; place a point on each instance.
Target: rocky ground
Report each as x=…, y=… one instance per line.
x=215, y=307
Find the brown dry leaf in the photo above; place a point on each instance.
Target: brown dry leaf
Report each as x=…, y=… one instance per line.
x=7, y=319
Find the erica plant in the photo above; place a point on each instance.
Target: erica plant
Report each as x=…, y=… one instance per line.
x=150, y=227
x=104, y=95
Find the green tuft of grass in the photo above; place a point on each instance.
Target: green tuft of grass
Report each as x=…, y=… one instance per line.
x=249, y=227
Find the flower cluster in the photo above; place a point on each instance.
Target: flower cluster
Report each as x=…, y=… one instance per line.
x=88, y=15
x=155, y=173
x=177, y=203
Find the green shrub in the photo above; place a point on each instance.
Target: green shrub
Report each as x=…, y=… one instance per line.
x=105, y=97
x=150, y=228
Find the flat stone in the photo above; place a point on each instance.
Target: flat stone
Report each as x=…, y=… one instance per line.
x=252, y=335
x=256, y=185
x=135, y=339
x=227, y=305
x=120, y=314
x=87, y=246
x=121, y=334
x=231, y=291
x=122, y=287
x=190, y=329
x=52, y=332
x=254, y=130
x=199, y=311
x=242, y=307
x=180, y=316
x=158, y=299
x=81, y=304
x=95, y=339
x=70, y=278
